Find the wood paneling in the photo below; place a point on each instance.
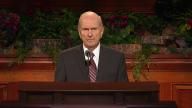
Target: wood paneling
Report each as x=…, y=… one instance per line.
x=3, y=91
x=142, y=6
x=182, y=94
x=6, y=4
x=33, y=68
x=161, y=68
x=84, y=93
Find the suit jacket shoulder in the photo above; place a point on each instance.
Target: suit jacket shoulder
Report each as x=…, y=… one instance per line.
x=71, y=51
x=112, y=65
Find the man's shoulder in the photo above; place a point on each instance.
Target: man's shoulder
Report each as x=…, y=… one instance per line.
x=71, y=50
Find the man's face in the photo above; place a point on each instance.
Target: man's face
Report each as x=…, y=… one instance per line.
x=90, y=31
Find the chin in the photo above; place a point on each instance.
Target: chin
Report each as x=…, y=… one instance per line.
x=91, y=47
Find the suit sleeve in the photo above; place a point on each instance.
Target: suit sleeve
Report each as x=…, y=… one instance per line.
x=60, y=75
x=122, y=69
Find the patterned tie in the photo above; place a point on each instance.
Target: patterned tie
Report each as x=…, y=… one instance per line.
x=92, y=68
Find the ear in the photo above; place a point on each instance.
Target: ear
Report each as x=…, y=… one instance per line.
x=102, y=31
x=79, y=32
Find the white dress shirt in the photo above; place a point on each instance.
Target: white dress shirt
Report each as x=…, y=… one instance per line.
x=95, y=52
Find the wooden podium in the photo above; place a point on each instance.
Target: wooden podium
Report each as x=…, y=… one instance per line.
x=84, y=93
x=168, y=104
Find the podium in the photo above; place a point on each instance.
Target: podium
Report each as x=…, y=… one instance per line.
x=168, y=104
x=120, y=93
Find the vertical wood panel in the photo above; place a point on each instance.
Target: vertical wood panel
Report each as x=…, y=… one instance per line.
x=3, y=91
x=182, y=94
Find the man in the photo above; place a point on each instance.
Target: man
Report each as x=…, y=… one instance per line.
x=109, y=65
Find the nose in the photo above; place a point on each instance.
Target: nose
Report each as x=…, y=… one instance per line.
x=90, y=32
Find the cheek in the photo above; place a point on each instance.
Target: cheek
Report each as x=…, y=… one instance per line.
x=83, y=34
x=99, y=34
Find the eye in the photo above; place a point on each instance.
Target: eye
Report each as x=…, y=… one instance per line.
x=85, y=29
x=94, y=28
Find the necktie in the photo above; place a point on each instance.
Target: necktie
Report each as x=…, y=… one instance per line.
x=92, y=68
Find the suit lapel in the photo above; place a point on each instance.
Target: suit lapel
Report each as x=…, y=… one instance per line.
x=102, y=63
x=83, y=68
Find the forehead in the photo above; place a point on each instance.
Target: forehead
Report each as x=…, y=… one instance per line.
x=89, y=21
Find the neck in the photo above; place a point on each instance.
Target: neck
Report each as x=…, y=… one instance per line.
x=91, y=49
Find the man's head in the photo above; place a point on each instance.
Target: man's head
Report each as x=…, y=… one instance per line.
x=90, y=29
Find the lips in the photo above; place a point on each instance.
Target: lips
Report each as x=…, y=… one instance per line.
x=90, y=40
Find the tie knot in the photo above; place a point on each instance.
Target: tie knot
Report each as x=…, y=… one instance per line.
x=92, y=54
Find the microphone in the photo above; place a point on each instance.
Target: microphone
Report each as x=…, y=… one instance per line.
x=88, y=55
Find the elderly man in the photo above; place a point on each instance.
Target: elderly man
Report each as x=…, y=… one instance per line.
x=91, y=61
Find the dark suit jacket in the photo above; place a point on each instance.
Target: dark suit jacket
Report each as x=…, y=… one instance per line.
x=72, y=67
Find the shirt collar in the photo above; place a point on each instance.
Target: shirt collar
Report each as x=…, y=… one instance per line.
x=96, y=52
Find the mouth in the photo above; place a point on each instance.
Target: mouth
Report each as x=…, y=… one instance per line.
x=90, y=40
